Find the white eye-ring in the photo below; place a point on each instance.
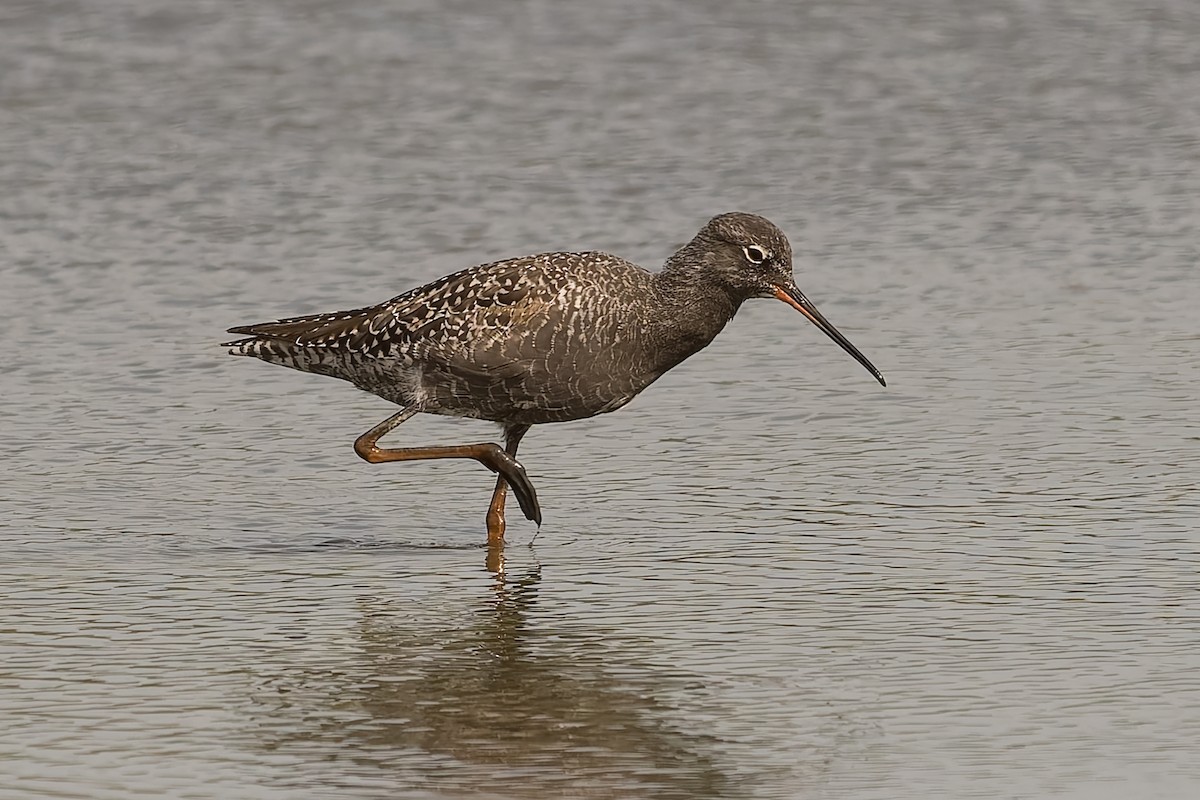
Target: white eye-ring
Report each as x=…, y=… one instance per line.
x=754, y=254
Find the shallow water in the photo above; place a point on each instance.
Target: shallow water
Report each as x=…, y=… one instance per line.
x=765, y=578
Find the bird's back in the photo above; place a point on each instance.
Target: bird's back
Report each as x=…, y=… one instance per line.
x=543, y=338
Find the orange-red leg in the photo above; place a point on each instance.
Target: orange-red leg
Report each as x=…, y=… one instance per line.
x=495, y=513
x=489, y=454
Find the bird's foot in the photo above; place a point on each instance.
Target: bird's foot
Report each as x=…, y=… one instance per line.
x=514, y=474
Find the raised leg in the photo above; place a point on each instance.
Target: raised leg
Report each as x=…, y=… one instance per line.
x=486, y=453
x=495, y=514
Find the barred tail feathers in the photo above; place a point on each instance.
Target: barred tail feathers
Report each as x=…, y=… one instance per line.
x=327, y=344
x=276, y=351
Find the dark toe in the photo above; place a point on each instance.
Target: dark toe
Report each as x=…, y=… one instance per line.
x=522, y=487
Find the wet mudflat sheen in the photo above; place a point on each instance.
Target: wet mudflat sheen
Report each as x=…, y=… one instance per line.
x=765, y=578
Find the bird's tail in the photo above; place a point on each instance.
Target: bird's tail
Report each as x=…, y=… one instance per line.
x=314, y=343
x=264, y=347
x=272, y=350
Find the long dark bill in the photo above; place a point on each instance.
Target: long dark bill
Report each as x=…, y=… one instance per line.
x=796, y=299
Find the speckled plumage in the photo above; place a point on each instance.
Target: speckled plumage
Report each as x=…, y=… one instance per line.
x=544, y=338
x=506, y=341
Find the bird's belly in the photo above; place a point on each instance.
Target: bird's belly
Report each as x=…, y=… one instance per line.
x=525, y=399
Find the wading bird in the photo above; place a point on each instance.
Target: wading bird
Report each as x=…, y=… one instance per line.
x=544, y=338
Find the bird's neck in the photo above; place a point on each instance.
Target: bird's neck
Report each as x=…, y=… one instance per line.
x=693, y=309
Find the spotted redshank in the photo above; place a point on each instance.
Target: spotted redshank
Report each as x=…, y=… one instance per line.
x=545, y=338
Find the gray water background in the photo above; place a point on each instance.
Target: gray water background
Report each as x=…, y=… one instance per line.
x=767, y=577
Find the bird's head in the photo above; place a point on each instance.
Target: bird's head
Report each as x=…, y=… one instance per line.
x=751, y=257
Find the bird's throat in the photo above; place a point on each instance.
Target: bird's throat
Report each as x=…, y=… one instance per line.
x=690, y=315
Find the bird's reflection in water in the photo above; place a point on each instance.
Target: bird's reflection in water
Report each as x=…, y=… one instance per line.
x=497, y=702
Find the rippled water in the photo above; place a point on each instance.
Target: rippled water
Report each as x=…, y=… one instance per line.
x=767, y=577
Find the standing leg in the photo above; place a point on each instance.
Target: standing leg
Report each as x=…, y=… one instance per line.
x=495, y=514
x=486, y=453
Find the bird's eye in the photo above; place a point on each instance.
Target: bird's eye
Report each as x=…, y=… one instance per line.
x=755, y=254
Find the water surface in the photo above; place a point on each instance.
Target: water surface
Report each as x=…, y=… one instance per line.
x=767, y=577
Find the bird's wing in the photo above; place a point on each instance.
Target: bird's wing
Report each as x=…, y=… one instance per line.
x=352, y=330
x=488, y=324
x=491, y=323
x=462, y=300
